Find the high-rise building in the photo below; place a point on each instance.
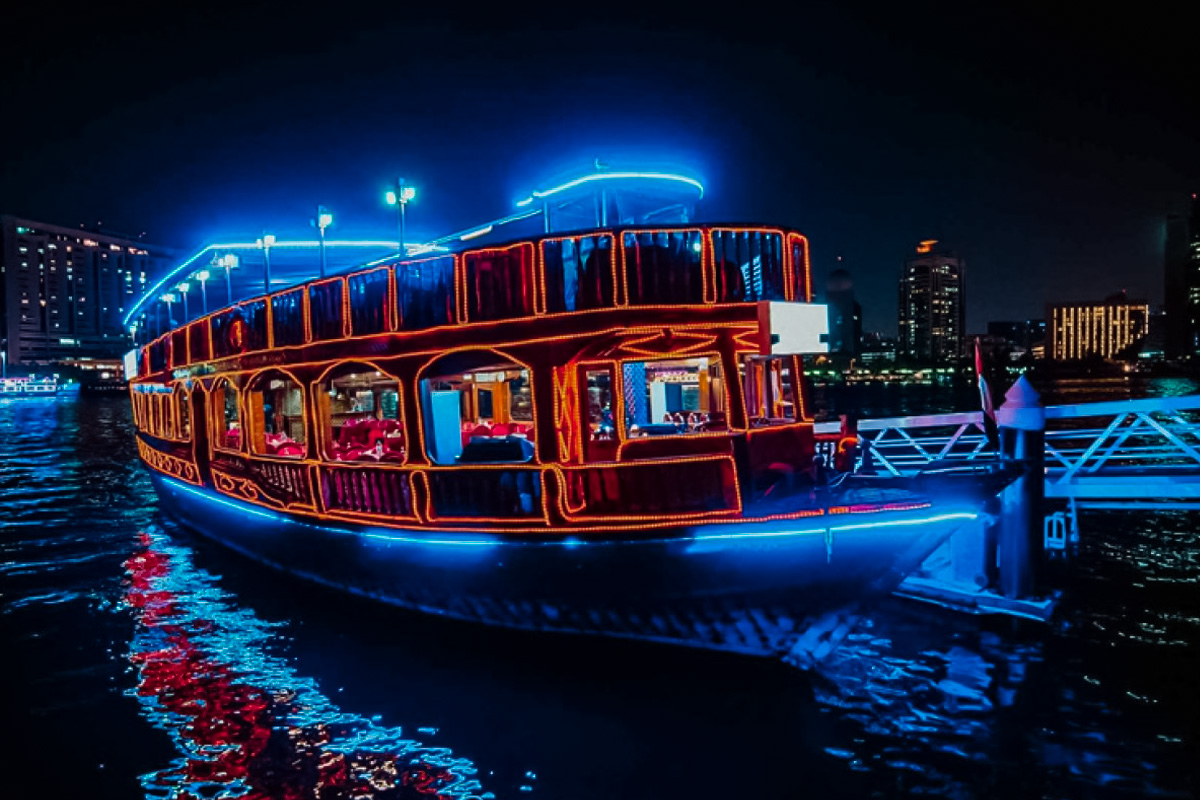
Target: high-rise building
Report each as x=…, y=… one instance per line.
x=64, y=291
x=845, y=315
x=1182, y=283
x=933, y=311
x=1112, y=328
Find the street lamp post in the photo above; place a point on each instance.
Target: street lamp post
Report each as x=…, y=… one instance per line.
x=229, y=261
x=168, y=298
x=324, y=220
x=266, y=243
x=399, y=197
x=203, y=276
x=183, y=291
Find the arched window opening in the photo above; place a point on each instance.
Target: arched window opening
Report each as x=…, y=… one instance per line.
x=183, y=400
x=770, y=390
x=359, y=410
x=673, y=397
x=477, y=407
x=227, y=426
x=275, y=406
x=166, y=413
x=156, y=417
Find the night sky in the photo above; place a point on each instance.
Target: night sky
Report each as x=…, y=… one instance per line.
x=1046, y=147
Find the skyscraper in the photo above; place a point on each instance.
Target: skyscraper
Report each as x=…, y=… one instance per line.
x=63, y=291
x=932, y=313
x=1114, y=328
x=845, y=315
x=1182, y=283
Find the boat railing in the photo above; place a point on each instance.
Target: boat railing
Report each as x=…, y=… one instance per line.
x=521, y=494
x=696, y=486
x=595, y=270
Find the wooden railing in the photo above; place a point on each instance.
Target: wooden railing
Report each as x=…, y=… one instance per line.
x=374, y=491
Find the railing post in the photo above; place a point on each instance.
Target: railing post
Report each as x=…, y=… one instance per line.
x=1022, y=423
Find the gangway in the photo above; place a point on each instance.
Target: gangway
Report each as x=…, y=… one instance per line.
x=1142, y=454
x=1126, y=454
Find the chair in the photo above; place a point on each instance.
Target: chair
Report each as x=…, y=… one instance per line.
x=501, y=429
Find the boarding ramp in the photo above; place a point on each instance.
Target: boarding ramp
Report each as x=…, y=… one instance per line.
x=1117, y=454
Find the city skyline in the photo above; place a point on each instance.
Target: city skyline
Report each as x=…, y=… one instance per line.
x=1042, y=172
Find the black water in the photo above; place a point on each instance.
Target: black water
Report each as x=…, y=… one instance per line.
x=138, y=661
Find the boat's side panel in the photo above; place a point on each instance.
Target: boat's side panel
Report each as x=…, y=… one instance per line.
x=749, y=587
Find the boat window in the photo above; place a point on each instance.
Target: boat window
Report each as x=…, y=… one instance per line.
x=287, y=318
x=770, y=390
x=275, y=404
x=325, y=310
x=425, y=291
x=600, y=435
x=166, y=415
x=227, y=427
x=578, y=273
x=359, y=409
x=673, y=397
x=198, y=341
x=499, y=283
x=477, y=410
x=179, y=354
x=799, y=247
x=664, y=267
x=240, y=330
x=155, y=415
x=369, y=302
x=749, y=266
x=182, y=399
x=158, y=355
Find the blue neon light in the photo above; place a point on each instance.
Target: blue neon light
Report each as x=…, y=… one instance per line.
x=477, y=232
x=610, y=176
x=571, y=542
x=964, y=515
x=245, y=508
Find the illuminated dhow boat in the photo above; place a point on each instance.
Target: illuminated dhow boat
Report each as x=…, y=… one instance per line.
x=603, y=432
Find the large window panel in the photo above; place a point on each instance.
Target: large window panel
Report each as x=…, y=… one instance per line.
x=369, y=302
x=499, y=283
x=325, y=309
x=578, y=273
x=664, y=267
x=287, y=318
x=425, y=293
x=748, y=266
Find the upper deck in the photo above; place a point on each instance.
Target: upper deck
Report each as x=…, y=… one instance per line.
x=638, y=269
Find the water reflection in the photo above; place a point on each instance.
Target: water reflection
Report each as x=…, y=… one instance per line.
x=245, y=725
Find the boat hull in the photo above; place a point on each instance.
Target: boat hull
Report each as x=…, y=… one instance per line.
x=751, y=587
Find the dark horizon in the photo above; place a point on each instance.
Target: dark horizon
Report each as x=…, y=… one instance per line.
x=1045, y=152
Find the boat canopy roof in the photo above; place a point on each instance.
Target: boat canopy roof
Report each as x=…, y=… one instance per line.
x=604, y=198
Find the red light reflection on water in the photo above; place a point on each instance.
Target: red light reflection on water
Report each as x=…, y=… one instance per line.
x=241, y=739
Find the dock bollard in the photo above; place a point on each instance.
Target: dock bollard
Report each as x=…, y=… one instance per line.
x=1022, y=424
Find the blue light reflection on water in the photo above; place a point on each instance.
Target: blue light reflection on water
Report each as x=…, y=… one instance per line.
x=1104, y=700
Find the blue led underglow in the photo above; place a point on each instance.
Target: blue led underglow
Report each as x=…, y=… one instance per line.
x=227, y=503
x=966, y=515
x=571, y=542
x=611, y=176
x=245, y=508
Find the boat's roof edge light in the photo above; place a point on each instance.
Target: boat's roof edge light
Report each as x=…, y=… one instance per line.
x=609, y=176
